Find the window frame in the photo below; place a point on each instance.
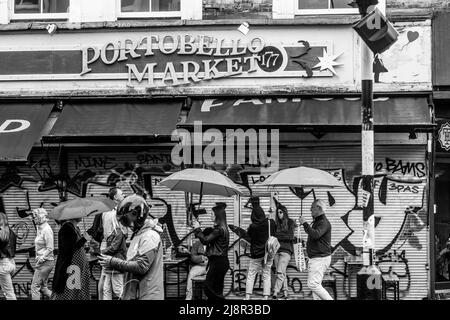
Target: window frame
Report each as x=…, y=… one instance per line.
x=349, y=10
x=38, y=16
x=149, y=14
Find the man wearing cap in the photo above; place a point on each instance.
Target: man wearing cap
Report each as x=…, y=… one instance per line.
x=318, y=248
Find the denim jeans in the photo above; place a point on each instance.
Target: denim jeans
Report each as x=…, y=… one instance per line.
x=196, y=271
x=256, y=265
x=316, y=270
x=113, y=282
x=7, y=268
x=40, y=279
x=281, y=262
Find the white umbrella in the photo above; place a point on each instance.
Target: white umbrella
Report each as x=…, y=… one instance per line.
x=201, y=181
x=303, y=177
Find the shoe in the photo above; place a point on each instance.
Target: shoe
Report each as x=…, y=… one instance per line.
x=274, y=297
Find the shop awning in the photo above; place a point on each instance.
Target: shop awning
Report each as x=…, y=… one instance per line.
x=21, y=125
x=81, y=121
x=291, y=114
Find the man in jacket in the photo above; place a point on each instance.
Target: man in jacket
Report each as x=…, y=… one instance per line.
x=143, y=267
x=198, y=268
x=318, y=248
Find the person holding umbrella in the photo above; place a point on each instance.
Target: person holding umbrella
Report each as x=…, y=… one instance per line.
x=44, y=254
x=258, y=234
x=216, y=240
x=71, y=278
x=318, y=247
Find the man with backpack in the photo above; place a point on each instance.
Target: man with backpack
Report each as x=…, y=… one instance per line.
x=262, y=248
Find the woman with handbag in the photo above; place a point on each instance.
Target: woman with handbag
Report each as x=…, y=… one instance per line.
x=216, y=240
x=284, y=232
x=7, y=253
x=258, y=236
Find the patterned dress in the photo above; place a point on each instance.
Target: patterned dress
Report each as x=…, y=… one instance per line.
x=77, y=284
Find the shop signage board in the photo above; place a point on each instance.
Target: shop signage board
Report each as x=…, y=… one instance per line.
x=315, y=58
x=163, y=59
x=443, y=136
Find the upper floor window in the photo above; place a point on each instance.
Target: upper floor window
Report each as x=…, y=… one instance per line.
x=325, y=7
x=53, y=9
x=149, y=8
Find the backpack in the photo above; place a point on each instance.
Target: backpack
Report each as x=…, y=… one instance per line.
x=96, y=231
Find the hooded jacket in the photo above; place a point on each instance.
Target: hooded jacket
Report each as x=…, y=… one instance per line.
x=144, y=276
x=258, y=232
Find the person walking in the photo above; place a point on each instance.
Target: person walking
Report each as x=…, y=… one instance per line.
x=71, y=277
x=258, y=234
x=7, y=252
x=198, y=267
x=216, y=240
x=116, y=247
x=318, y=248
x=43, y=244
x=284, y=232
x=107, y=224
x=143, y=267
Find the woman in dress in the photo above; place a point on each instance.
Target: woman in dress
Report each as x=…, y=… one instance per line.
x=216, y=240
x=71, y=278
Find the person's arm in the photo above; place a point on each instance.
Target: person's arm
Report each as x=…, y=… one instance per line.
x=196, y=256
x=318, y=231
x=113, y=248
x=216, y=233
x=139, y=266
x=142, y=262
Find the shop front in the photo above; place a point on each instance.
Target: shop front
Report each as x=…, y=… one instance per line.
x=113, y=100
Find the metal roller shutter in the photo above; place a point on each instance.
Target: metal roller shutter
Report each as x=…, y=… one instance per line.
x=401, y=229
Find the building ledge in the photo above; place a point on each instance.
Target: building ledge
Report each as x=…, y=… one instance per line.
x=164, y=23
x=409, y=14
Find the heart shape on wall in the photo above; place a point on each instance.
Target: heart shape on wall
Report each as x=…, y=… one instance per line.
x=412, y=35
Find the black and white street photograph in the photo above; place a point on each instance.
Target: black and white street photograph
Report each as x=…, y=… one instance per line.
x=238, y=155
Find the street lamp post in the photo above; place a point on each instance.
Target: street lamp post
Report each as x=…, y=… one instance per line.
x=369, y=277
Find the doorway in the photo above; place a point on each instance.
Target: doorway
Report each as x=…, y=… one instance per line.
x=442, y=224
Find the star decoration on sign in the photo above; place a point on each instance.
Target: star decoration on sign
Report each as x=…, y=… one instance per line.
x=327, y=62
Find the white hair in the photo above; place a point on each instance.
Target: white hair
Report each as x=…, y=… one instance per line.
x=321, y=203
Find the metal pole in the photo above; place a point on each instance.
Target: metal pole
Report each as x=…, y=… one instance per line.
x=369, y=277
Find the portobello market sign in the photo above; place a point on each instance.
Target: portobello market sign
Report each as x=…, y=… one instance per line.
x=159, y=61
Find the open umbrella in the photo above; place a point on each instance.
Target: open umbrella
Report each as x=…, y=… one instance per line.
x=201, y=181
x=81, y=207
x=303, y=177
